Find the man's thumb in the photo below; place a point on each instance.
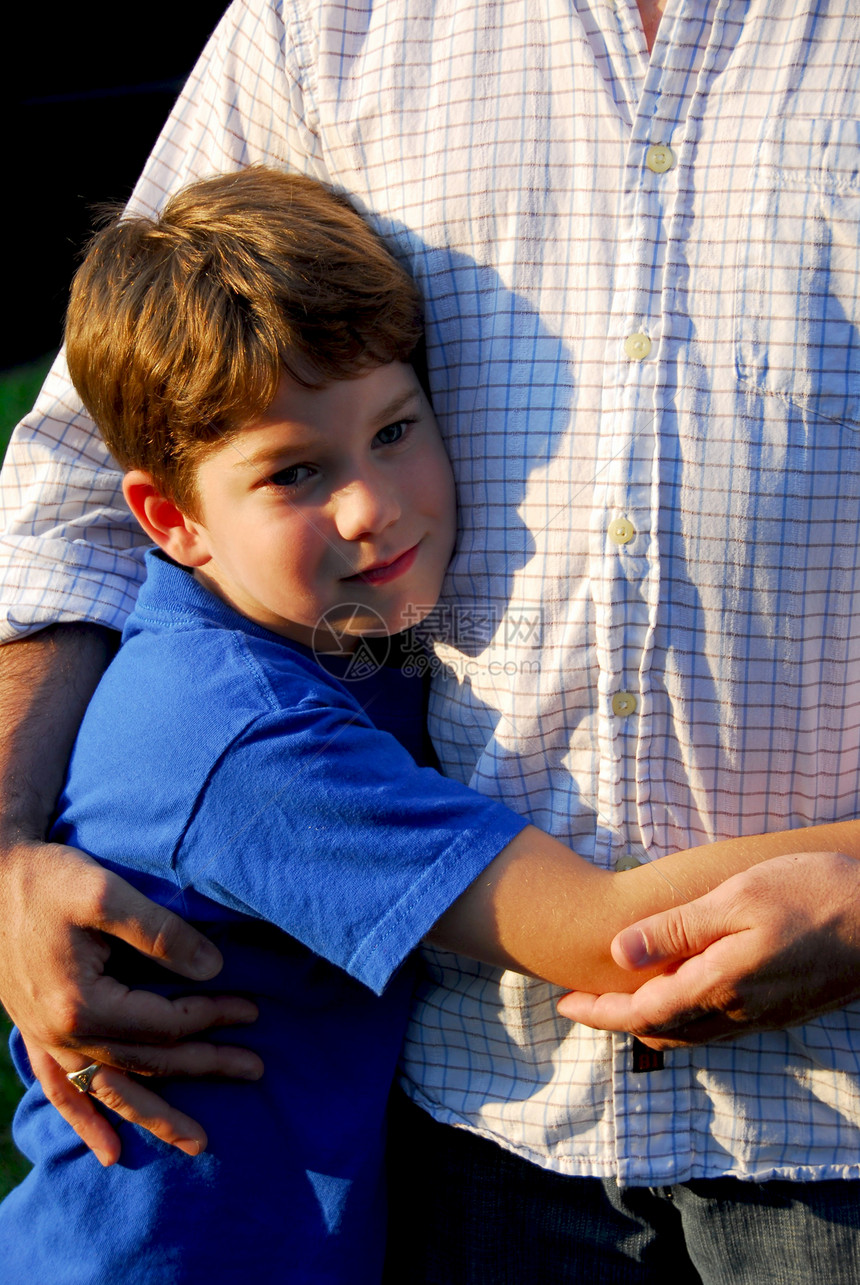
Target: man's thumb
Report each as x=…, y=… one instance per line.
x=667, y=938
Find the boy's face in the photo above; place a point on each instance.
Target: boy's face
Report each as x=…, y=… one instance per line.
x=337, y=503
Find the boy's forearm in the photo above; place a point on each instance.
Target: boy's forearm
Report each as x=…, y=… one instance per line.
x=696, y=871
x=544, y=911
x=45, y=684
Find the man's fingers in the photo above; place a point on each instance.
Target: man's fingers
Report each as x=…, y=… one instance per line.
x=134, y=1018
x=649, y=1021
x=156, y=931
x=139, y=1105
x=610, y=1012
x=142, y=1017
x=189, y=1060
x=132, y=1101
x=76, y=1108
x=127, y=1029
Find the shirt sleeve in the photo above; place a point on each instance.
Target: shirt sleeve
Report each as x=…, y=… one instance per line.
x=69, y=548
x=343, y=842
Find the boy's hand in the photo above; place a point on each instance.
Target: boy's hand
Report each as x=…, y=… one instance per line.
x=769, y=948
x=58, y=904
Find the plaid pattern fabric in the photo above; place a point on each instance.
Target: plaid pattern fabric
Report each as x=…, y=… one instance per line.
x=641, y=281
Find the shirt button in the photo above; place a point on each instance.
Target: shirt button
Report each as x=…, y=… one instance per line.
x=627, y=861
x=637, y=347
x=624, y=703
x=659, y=158
x=621, y=531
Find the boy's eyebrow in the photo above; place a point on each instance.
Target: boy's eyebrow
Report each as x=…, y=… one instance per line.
x=258, y=460
x=396, y=405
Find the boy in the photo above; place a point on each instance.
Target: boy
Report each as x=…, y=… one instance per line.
x=246, y=357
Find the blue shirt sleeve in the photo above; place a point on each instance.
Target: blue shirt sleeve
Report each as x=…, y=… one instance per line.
x=318, y=822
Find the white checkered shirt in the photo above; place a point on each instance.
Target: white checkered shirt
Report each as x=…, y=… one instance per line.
x=641, y=283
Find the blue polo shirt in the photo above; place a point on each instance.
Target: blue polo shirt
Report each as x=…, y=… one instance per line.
x=274, y=804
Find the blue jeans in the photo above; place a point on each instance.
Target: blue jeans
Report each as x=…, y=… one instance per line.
x=466, y=1212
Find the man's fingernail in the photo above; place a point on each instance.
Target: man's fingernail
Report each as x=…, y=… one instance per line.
x=103, y=1158
x=634, y=946
x=206, y=961
x=189, y=1146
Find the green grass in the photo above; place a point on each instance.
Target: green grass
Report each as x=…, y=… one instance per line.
x=13, y=1166
x=18, y=389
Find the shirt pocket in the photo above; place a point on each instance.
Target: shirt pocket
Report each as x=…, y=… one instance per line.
x=798, y=268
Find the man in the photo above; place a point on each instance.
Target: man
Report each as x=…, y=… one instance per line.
x=640, y=276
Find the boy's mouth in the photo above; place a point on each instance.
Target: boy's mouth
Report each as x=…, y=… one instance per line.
x=382, y=572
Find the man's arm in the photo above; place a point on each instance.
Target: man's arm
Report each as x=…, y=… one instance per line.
x=770, y=948
x=57, y=906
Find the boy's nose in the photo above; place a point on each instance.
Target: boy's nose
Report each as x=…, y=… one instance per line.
x=364, y=508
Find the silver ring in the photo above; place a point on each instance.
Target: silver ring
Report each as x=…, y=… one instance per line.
x=82, y=1080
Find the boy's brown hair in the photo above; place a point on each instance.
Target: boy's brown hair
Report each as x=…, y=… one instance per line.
x=179, y=327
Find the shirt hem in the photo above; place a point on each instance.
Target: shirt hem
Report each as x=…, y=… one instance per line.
x=587, y=1167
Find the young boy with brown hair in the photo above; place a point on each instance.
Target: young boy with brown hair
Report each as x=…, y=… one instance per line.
x=247, y=358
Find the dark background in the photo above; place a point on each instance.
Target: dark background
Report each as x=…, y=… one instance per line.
x=87, y=90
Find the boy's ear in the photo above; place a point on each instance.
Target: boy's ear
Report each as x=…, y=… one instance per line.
x=165, y=524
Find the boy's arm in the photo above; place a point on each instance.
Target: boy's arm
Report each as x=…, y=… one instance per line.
x=540, y=909
x=56, y=904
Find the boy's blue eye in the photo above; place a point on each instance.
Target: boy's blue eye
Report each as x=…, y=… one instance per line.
x=292, y=476
x=393, y=432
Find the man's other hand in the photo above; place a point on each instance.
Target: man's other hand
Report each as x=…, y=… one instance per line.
x=769, y=948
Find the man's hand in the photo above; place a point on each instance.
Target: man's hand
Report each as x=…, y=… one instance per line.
x=57, y=904
x=769, y=948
